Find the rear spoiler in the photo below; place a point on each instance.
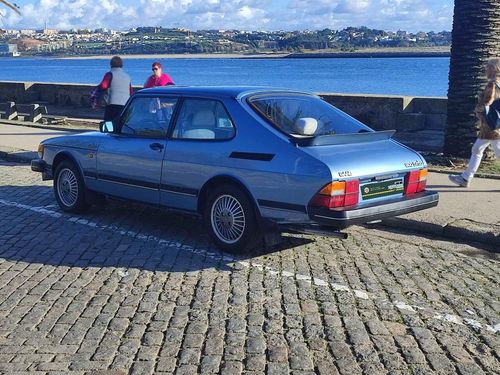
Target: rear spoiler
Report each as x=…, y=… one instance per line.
x=342, y=139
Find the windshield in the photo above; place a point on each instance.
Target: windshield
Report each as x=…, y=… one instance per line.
x=305, y=116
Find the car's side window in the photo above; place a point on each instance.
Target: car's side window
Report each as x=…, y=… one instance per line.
x=148, y=117
x=203, y=119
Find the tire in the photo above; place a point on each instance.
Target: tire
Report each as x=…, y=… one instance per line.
x=231, y=220
x=69, y=188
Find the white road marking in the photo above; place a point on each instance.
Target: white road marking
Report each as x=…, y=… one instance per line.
x=39, y=210
x=403, y=306
x=450, y=318
x=493, y=329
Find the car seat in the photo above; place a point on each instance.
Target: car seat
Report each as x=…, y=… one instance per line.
x=202, y=126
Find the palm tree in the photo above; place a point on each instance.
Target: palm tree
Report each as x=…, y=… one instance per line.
x=10, y=5
x=475, y=39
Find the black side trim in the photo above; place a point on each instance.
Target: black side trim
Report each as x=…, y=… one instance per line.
x=90, y=174
x=129, y=181
x=251, y=156
x=282, y=205
x=179, y=189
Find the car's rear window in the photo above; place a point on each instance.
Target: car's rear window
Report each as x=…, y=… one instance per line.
x=304, y=116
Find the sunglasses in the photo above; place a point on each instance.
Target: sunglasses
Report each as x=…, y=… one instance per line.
x=155, y=69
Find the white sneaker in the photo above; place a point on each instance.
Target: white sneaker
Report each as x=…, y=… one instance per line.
x=459, y=180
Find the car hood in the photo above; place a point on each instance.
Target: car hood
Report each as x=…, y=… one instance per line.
x=366, y=159
x=87, y=140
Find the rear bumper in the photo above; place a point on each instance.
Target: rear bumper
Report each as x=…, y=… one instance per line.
x=40, y=165
x=342, y=218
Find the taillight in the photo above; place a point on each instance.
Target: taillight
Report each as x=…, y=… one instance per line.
x=337, y=194
x=416, y=181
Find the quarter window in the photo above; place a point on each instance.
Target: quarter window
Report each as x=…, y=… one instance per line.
x=148, y=117
x=203, y=119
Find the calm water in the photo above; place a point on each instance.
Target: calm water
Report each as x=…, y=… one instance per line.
x=400, y=76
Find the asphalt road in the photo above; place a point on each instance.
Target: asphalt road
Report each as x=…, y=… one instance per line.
x=130, y=288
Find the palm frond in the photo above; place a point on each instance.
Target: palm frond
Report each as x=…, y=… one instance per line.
x=14, y=7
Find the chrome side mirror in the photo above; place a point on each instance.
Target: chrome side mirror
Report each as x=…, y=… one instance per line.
x=106, y=127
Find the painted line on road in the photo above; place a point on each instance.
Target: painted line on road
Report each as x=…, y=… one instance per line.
x=450, y=318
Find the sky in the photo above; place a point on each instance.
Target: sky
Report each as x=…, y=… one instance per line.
x=409, y=15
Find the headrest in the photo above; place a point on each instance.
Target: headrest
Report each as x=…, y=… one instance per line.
x=203, y=120
x=306, y=126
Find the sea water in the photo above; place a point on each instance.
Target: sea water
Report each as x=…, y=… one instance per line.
x=426, y=76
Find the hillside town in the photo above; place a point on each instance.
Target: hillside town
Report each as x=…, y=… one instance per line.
x=151, y=40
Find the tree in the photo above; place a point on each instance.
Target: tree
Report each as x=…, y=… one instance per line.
x=475, y=39
x=10, y=5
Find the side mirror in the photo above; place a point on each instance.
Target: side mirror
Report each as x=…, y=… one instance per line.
x=106, y=127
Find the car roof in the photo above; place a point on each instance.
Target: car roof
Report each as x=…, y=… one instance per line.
x=216, y=91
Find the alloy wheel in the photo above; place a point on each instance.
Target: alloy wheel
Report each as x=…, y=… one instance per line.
x=67, y=187
x=228, y=219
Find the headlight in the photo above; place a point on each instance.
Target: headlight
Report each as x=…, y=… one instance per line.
x=41, y=149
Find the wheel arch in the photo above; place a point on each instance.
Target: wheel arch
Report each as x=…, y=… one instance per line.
x=65, y=155
x=225, y=180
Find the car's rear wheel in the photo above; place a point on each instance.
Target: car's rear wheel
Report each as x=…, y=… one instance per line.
x=231, y=219
x=69, y=188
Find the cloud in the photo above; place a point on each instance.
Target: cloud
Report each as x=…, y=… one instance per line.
x=411, y=15
x=348, y=6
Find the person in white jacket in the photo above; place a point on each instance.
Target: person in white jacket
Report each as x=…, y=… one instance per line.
x=119, y=87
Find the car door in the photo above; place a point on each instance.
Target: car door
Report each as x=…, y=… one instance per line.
x=129, y=160
x=198, y=138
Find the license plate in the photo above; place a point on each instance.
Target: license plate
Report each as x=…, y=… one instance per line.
x=382, y=188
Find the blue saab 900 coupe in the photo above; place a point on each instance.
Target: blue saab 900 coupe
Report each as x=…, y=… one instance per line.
x=244, y=158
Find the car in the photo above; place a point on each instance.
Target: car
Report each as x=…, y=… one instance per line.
x=248, y=160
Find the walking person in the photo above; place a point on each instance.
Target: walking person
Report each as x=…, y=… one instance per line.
x=158, y=78
x=486, y=135
x=119, y=87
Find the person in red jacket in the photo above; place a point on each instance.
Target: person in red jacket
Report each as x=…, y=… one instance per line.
x=158, y=78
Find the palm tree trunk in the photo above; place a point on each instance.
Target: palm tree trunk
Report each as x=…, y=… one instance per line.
x=14, y=7
x=475, y=39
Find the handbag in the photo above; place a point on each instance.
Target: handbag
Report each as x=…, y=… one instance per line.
x=99, y=97
x=493, y=115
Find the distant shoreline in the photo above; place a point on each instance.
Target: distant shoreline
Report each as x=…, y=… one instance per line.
x=180, y=56
x=367, y=53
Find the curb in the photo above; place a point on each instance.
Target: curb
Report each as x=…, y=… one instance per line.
x=460, y=229
x=17, y=155
x=476, y=175
x=49, y=127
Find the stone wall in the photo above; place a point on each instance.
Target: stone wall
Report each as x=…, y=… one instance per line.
x=403, y=113
x=416, y=118
x=420, y=121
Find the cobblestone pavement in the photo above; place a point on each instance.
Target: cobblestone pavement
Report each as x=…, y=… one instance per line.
x=128, y=288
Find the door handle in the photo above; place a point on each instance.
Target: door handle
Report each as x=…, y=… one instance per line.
x=156, y=146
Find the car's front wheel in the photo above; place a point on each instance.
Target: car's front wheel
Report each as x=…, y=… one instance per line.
x=231, y=219
x=69, y=188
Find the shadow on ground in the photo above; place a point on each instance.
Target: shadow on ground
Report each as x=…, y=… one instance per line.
x=490, y=251
x=116, y=234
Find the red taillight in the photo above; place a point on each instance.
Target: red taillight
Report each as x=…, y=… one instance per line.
x=338, y=194
x=415, y=181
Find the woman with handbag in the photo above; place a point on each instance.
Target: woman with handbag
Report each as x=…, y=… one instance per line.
x=116, y=88
x=487, y=135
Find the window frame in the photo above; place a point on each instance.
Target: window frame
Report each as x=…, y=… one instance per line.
x=175, y=118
